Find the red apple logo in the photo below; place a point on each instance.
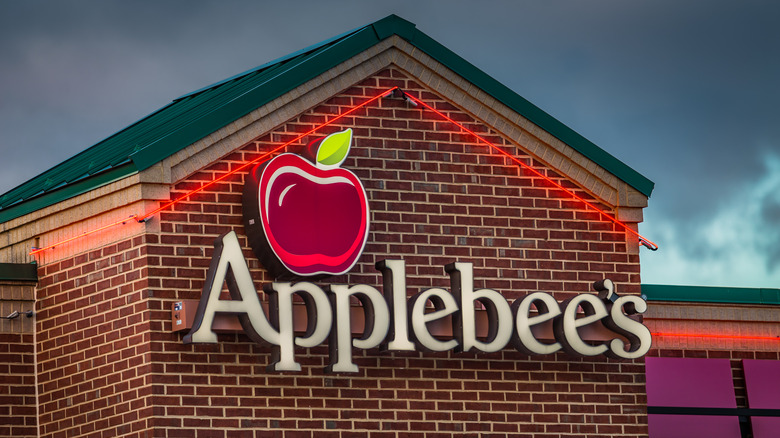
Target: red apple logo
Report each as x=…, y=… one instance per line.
x=303, y=218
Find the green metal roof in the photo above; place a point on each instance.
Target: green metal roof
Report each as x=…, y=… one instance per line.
x=708, y=294
x=198, y=114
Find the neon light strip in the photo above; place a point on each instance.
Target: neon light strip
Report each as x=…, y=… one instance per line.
x=264, y=156
x=641, y=238
x=694, y=335
x=387, y=92
x=86, y=233
x=209, y=184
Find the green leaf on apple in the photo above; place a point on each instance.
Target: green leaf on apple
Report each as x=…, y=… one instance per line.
x=334, y=148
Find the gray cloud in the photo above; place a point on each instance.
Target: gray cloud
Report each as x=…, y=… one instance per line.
x=769, y=236
x=736, y=244
x=684, y=92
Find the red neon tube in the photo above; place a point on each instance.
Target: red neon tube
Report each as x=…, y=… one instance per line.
x=210, y=183
x=86, y=233
x=387, y=92
x=707, y=335
x=264, y=156
x=642, y=239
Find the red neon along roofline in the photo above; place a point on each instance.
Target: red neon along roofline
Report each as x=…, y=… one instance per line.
x=86, y=233
x=210, y=183
x=642, y=239
x=265, y=155
x=708, y=335
x=387, y=92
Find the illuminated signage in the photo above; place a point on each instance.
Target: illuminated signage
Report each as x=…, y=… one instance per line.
x=306, y=216
x=399, y=324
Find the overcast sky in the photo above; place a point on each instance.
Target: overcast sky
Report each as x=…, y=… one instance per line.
x=685, y=92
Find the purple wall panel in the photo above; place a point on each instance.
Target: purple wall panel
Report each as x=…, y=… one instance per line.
x=688, y=382
x=762, y=380
x=765, y=427
x=691, y=426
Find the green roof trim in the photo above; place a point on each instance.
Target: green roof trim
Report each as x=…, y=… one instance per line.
x=534, y=114
x=66, y=192
x=710, y=294
x=284, y=78
x=18, y=272
x=194, y=116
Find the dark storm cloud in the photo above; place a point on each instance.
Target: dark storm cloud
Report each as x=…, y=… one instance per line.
x=684, y=92
x=735, y=244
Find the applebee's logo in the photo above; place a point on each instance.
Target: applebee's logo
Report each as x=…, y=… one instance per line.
x=307, y=217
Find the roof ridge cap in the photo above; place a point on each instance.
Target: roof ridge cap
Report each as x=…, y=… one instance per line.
x=394, y=25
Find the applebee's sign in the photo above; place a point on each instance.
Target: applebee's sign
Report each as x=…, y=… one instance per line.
x=399, y=324
x=307, y=217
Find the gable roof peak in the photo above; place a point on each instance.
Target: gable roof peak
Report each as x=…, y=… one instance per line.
x=196, y=115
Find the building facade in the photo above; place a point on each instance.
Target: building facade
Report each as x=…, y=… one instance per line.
x=455, y=168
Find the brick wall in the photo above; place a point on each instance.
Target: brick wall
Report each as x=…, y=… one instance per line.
x=93, y=343
x=17, y=361
x=17, y=385
x=109, y=364
x=436, y=196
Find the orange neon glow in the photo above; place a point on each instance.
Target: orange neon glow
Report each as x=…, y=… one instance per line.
x=209, y=184
x=86, y=233
x=264, y=156
x=706, y=335
x=387, y=92
x=641, y=238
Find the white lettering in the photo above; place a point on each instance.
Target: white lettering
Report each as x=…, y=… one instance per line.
x=464, y=322
x=377, y=317
x=638, y=335
x=444, y=304
x=228, y=264
x=547, y=309
x=319, y=321
x=565, y=326
x=395, y=324
x=394, y=281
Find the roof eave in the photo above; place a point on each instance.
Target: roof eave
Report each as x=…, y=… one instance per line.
x=77, y=188
x=711, y=294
